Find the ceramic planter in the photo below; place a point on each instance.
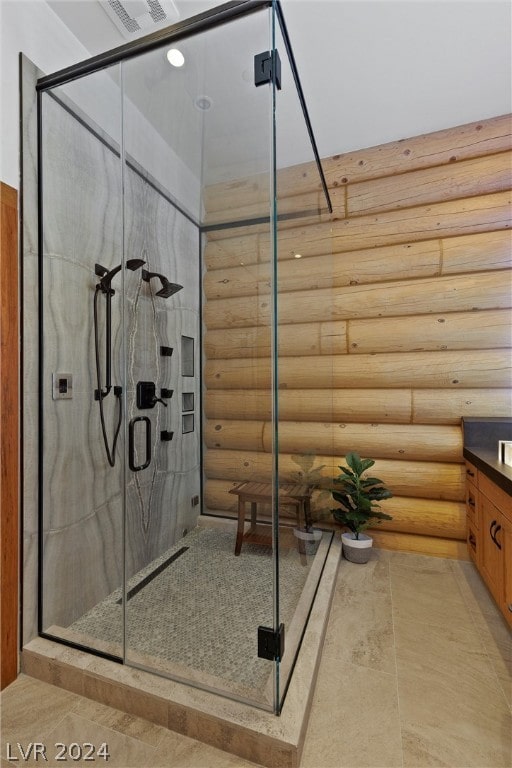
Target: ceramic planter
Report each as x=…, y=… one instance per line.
x=356, y=550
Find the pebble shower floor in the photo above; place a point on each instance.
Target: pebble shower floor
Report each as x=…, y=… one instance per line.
x=202, y=610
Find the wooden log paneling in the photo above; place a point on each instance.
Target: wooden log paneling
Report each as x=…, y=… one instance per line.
x=481, y=251
x=481, y=175
x=471, y=253
x=360, y=405
x=439, y=148
x=9, y=435
x=397, y=406
x=433, y=546
x=397, y=318
x=462, y=369
x=451, y=293
x=313, y=201
x=421, y=479
x=428, y=517
x=408, y=441
x=442, y=148
x=443, y=406
x=487, y=329
x=372, y=265
x=303, y=338
x=483, y=213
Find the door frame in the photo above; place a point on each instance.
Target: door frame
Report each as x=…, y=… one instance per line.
x=9, y=436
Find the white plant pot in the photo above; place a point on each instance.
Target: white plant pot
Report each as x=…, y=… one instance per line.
x=356, y=550
x=314, y=535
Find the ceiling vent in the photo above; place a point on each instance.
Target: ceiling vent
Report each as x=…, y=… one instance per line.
x=133, y=17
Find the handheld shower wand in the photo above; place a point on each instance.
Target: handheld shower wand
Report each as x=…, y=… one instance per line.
x=104, y=286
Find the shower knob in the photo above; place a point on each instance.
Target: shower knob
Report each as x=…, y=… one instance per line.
x=146, y=395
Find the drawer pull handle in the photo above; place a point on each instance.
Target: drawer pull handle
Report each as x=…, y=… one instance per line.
x=471, y=502
x=510, y=607
x=498, y=529
x=470, y=473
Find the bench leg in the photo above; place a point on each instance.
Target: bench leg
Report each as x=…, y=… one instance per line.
x=253, y=515
x=301, y=515
x=240, y=527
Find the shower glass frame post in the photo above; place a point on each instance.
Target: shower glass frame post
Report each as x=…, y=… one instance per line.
x=121, y=59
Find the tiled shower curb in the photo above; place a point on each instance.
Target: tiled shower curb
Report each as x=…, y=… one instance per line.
x=237, y=728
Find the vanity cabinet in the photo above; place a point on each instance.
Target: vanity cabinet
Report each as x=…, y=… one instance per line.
x=489, y=535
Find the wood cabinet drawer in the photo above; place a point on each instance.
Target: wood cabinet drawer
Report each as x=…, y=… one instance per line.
x=472, y=506
x=497, y=495
x=471, y=473
x=492, y=568
x=473, y=542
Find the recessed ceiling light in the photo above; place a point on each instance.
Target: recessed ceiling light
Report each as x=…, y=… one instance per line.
x=175, y=57
x=297, y=255
x=203, y=103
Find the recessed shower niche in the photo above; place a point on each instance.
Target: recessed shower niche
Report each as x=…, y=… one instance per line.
x=163, y=256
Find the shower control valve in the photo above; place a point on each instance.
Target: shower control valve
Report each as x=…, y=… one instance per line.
x=146, y=395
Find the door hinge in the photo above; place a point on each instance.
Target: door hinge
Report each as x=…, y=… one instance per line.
x=271, y=643
x=267, y=68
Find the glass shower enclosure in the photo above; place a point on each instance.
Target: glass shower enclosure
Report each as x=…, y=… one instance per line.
x=165, y=194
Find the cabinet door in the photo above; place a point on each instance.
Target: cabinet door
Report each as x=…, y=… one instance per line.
x=491, y=541
x=506, y=539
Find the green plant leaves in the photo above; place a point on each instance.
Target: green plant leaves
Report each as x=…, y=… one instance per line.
x=358, y=495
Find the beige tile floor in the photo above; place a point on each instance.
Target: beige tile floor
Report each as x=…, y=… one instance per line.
x=416, y=671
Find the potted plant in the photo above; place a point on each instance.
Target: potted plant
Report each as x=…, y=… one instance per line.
x=357, y=495
x=312, y=477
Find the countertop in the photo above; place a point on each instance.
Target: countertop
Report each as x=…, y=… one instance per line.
x=481, y=436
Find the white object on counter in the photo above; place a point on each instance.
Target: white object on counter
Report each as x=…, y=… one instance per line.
x=505, y=452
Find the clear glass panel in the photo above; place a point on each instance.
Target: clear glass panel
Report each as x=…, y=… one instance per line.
x=302, y=369
x=193, y=605
x=182, y=459
x=82, y=497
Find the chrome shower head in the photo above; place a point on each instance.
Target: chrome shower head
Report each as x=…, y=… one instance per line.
x=167, y=289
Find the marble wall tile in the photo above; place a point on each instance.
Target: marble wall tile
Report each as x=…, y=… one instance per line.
x=29, y=329
x=83, y=224
x=28, y=77
x=83, y=563
x=30, y=587
x=82, y=206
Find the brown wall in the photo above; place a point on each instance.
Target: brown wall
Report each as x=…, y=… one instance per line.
x=9, y=429
x=394, y=324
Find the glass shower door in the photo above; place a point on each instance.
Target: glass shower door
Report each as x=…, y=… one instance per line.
x=176, y=496
x=81, y=388
x=192, y=604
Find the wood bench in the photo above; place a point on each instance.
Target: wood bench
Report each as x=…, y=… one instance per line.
x=297, y=496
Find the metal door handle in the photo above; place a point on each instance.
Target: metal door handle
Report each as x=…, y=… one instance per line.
x=498, y=528
x=131, y=443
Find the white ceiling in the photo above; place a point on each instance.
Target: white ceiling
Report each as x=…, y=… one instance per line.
x=373, y=71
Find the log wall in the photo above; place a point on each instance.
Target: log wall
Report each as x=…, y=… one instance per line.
x=394, y=323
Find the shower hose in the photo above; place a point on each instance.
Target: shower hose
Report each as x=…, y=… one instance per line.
x=111, y=455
